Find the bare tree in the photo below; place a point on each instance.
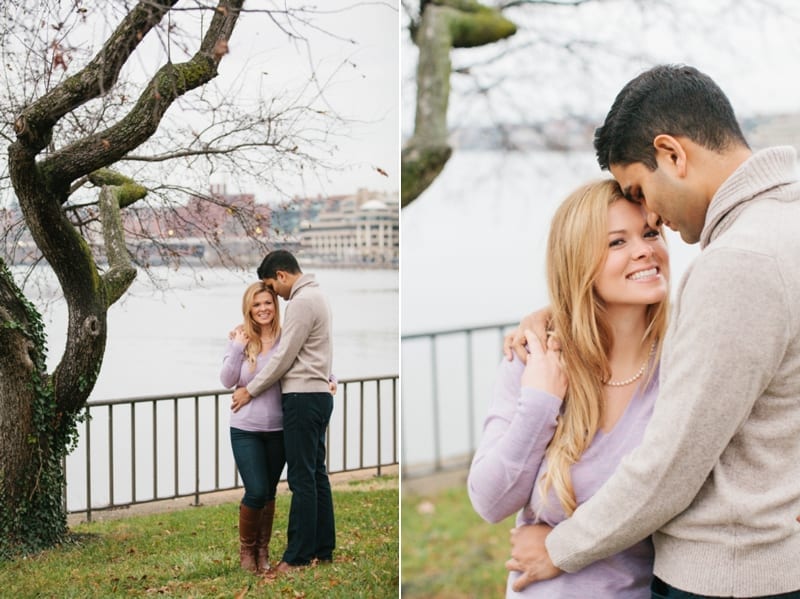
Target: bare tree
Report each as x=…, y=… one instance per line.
x=74, y=116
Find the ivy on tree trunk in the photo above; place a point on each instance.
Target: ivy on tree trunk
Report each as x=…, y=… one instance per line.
x=39, y=412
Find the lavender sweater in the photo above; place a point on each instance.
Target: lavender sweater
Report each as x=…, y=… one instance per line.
x=264, y=411
x=510, y=459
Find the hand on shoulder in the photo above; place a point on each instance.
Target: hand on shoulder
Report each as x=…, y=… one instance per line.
x=238, y=334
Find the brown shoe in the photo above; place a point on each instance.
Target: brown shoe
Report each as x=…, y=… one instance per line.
x=284, y=568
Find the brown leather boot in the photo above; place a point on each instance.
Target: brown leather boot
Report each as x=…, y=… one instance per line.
x=249, y=520
x=264, y=536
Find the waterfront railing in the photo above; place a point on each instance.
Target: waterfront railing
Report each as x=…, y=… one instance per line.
x=447, y=383
x=145, y=449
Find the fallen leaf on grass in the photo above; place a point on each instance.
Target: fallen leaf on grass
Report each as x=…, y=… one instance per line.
x=426, y=508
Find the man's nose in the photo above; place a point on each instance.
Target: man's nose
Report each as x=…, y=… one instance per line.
x=653, y=219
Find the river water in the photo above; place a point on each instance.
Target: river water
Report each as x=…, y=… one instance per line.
x=169, y=338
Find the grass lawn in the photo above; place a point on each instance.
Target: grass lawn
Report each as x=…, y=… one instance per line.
x=194, y=553
x=448, y=551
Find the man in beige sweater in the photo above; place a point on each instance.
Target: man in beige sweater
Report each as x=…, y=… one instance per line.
x=716, y=479
x=302, y=363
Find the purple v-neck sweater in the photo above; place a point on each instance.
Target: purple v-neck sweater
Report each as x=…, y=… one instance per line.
x=510, y=459
x=264, y=412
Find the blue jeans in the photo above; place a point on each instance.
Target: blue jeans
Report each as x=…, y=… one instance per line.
x=662, y=590
x=260, y=457
x=311, y=532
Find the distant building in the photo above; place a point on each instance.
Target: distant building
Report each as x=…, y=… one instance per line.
x=360, y=229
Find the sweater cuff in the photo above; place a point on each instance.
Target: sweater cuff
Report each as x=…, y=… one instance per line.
x=561, y=551
x=539, y=400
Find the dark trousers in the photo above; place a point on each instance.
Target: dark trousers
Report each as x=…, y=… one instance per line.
x=260, y=458
x=312, y=532
x=661, y=590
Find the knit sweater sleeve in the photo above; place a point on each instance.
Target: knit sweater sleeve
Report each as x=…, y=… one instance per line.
x=232, y=364
x=517, y=429
x=725, y=343
x=297, y=323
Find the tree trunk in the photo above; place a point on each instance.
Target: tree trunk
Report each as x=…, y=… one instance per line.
x=27, y=421
x=39, y=413
x=444, y=25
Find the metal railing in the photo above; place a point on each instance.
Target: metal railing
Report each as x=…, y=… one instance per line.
x=144, y=449
x=447, y=376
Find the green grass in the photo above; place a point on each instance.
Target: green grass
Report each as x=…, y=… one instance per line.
x=448, y=551
x=194, y=553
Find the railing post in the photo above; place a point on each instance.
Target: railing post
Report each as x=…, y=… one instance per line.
x=133, y=452
x=155, y=450
x=378, y=402
x=344, y=430
x=111, y=455
x=394, y=421
x=88, y=465
x=361, y=425
x=437, y=452
x=196, y=450
x=216, y=441
x=470, y=395
x=175, y=449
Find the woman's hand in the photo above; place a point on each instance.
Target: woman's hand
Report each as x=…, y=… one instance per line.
x=529, y=555
x=543, y=368
x=241, y=397
x=238, y=335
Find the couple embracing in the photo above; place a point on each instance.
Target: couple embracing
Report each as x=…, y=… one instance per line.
x=280, y=411
x=647, y=458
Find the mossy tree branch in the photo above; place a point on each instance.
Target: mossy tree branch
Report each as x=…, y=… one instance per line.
x=43, y=187
x=117, y=192
x=444, y=25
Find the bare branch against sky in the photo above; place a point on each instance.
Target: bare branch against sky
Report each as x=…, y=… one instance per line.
x=571, y=57
x=328, y=75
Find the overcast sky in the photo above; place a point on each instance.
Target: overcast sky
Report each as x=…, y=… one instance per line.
x=354, y=49
x=750, y=47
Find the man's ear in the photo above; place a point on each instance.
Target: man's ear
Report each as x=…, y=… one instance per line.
x=670, y=154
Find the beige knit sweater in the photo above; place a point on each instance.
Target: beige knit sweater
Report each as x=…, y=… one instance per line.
x=302, y=362
x=717, y=475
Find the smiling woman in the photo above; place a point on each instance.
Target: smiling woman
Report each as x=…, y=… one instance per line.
x=561, y=419
x=636, y=267
x=257, y=426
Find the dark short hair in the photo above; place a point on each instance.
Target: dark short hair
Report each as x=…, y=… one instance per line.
x=278, y=260
x=677, y=100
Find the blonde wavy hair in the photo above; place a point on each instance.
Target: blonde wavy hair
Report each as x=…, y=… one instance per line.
x=251, y=328
x=576, y=251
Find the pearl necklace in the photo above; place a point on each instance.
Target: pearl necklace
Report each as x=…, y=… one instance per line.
x=636, y=376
